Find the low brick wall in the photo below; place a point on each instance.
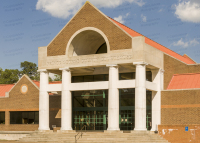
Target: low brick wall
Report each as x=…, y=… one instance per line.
x=177, y=133
x=19, y=127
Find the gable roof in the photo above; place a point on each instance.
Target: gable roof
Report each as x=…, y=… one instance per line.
x=5, y=88
x=26, y=78
x=8, y=87
x=156, y=45
x=185, y=81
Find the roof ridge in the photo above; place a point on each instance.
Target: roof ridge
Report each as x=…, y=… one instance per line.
x=185, y=55
x=165, y=47
x=186, y=74
x=156, y=43
x=126, y=26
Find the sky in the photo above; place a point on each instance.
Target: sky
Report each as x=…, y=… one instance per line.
x=26, y=25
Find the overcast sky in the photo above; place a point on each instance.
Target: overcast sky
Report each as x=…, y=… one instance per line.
x=26, y=25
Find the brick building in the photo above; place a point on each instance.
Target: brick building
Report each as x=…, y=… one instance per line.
x=113, y=78
x=19, y=106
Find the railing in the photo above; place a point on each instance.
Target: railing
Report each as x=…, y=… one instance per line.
x=81, y=133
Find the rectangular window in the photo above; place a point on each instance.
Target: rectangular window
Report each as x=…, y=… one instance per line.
x=131, y=75
x=2, y=117
x=127, y=97
x=126, y=76
x=77, y=79
x=90, y=78
x=24, y=117
x=90, y=98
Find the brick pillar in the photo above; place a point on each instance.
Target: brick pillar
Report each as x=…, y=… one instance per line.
x=7, y=117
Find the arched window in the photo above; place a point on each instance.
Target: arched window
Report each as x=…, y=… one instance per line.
x=102, y=49
x=88, y=42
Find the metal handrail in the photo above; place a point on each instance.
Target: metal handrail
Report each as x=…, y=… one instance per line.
x=81, y=133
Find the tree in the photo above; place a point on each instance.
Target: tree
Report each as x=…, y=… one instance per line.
x=30, y=69
x=57, y=77
x=9, y=76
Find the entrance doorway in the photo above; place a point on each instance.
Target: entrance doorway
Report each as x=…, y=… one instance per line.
x=127, y=109
x=90, y=108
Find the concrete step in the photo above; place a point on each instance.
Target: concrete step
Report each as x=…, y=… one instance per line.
x=95, y=137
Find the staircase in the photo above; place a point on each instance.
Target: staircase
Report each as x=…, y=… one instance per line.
x=95, y=137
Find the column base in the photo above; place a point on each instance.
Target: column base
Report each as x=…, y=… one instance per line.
x=66, y=129
x=46, y=130
x=43, y=129
x=140, y=129
x=113, y=129
x=153, y=130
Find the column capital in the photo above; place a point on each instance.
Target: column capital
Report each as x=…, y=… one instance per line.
x=140, y=63
x=42, y=70
x=112, y=65
x=66, y=69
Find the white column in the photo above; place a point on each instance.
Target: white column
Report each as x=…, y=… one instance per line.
x=157, y=77
x=140, y=96
x=113, y=98
x=66, y=100
x=44, y=101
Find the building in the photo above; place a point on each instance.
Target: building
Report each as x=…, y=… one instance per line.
x=19, y=106
x=114, y=78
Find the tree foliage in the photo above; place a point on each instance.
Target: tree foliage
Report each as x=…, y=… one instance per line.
x=30, y=69
x=9, y=76
x=57, y=77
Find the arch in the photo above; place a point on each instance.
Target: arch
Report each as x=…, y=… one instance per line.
x=79, y=38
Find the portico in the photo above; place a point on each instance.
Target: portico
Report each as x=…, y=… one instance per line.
x=101, y=59
x=140, y=84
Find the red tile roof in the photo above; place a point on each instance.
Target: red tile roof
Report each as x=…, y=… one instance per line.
x=36, y=82
x=5, y=88
x=152, y=43
x=185, y=81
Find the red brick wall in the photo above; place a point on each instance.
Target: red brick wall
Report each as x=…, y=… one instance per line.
x=19, y=127
x=27, y=102
x=88, y=16
x=180, y=107
x=173, y=66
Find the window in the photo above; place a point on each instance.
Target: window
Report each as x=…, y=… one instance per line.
x=126, y=76
x=131, y=75
x=2, y=117
x=25, y=117
x=102, y=49
x=90, y=78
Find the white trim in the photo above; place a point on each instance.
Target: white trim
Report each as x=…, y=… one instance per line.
x=28, y=79
x=100, y=85
x=84, y=29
